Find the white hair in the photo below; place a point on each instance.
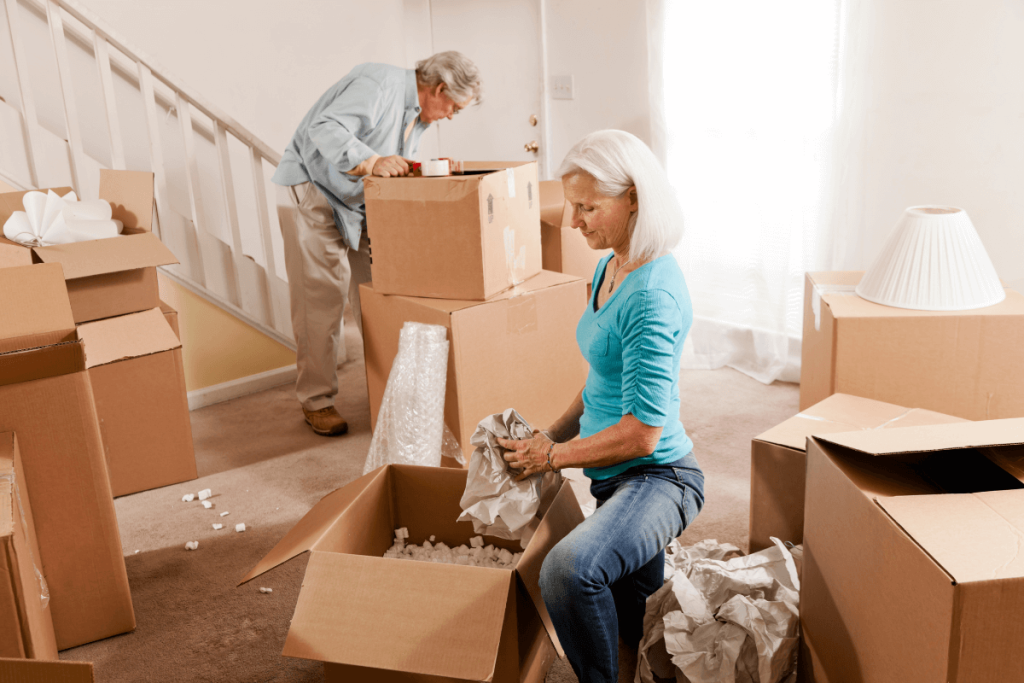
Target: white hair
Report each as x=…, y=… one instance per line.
x=618, y=160
x=455, y=70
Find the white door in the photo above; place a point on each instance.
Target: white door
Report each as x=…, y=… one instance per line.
x=503, y=38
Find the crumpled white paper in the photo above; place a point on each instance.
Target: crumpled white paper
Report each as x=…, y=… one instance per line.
x=493, y=500
x=719, y=620
x=49, y=219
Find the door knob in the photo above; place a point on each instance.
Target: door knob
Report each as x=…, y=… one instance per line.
x=531, y=146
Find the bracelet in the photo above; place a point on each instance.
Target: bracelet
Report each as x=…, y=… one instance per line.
x=551, y=448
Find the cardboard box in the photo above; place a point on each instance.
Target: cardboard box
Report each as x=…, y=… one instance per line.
x=912, y=562
x=46, y=399
x=963, y=363
x=371, y=618
x=465, y=237
x=26, y=629
x=112, y=276
x=778, y=459
x=35, y=671
x=530, y=336
x=564, y=249
x=171, y=316
x=138, y=382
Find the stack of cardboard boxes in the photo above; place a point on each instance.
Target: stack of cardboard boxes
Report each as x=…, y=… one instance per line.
x=465, y=252
x=912, y=520
x=92, y=405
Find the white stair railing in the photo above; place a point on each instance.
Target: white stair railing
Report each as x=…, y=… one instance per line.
x=225, y=235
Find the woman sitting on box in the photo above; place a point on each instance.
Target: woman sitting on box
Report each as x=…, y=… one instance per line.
x=649, y=487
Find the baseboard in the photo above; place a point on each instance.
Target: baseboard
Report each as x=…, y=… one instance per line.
x=236, y=388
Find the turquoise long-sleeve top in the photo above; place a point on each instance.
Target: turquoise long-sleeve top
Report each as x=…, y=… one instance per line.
x=365, y=113
x=633, y=344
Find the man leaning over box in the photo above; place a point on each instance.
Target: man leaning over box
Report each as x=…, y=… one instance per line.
x=369, y=122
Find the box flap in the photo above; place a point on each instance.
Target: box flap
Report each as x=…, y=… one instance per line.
x=428, y=189
x=973, y=537
x=553, y=209
x=13, y=254
x=924, y=439
x=127, y=336
x=845, y=413
x=34, y=308
x=13, y=201
x=541, y=280
x=317, y=524
x=130, y=194
x=114, y=255
x=41, y=671
x=47, y=361
x=563, y=516
x=414, y=617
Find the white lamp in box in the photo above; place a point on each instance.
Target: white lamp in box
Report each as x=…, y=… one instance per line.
x=49, y=219
x=933, y=261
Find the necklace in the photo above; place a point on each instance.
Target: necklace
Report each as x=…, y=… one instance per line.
x=611, y=285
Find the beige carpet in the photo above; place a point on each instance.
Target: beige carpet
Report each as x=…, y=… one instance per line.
x=267, y=469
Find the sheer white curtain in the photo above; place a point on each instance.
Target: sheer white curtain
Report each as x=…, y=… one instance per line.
x=744, y=96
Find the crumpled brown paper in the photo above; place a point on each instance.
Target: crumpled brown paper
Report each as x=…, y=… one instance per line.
x=493, y=500
x=719, y=620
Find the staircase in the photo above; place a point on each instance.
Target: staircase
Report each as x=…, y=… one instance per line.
x=76, y=97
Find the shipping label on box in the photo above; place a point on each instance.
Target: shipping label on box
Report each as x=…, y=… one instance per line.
x=26, y=627
x=138, y=382
x=530, y=332
x=366, y=615
x=464, y=237
x=105, y=277
x=912, y=564
x=46, y=399
x=778, y=458
x=963, y=363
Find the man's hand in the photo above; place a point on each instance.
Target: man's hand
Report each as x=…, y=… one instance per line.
x=392, y=166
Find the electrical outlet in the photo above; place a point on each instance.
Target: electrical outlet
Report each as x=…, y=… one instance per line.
x=561, y=88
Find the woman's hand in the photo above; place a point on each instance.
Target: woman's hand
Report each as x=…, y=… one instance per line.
x=529, y=455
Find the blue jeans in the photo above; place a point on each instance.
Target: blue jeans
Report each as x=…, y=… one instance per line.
x=596, y=581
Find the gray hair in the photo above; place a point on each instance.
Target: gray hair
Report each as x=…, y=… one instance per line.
x=455, y=70
x=618, y=160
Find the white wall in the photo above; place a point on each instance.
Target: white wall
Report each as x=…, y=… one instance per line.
x=603, y=45
x=937, y=117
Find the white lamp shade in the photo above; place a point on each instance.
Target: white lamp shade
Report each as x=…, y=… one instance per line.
x=933, y=261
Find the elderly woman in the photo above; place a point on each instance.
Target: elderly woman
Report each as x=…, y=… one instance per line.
x=647, y=482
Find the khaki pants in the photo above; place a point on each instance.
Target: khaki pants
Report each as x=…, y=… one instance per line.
x=322, y=275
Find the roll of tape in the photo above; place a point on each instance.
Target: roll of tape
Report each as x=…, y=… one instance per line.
x=436, y=167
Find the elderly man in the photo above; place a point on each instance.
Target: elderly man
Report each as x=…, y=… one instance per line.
x=369, y=122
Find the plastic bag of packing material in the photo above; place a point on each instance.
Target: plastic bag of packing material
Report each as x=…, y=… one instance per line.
x=50, y=219
x=410, y=425
x=718, y=620
x=493, y=500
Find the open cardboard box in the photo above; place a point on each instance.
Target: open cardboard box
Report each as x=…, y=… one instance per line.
x=529, y=332
x=104, y=277
x=46, y=399
x=26, y=628
x=465, y=237
x=963, y=363
x=138, y=382
x=778, y=459
x=913, y=568
x=564, y=248
x=371, y=618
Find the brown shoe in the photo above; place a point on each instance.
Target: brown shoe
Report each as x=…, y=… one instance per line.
x=326, y=421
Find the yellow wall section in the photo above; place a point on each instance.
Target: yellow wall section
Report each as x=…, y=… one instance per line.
x=216, y=346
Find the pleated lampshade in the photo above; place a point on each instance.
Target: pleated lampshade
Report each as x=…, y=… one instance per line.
x=933, y=261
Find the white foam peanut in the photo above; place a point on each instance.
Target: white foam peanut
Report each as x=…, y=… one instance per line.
x=240, y=527
x=205, y=493
x=192, y=545
x=207, y=504
x=218, y=527
x=188, y=498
